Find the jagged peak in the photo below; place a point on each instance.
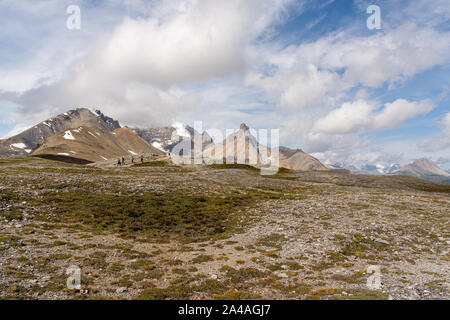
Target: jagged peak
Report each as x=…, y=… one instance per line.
x=244, y=127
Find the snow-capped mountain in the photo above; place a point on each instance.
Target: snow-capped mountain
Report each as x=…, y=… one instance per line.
x=393, y=167
x=86, y=144
x=368, y=168
x=166, y=138
x=25, y=142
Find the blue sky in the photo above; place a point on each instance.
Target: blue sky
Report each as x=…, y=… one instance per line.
x=313, y=69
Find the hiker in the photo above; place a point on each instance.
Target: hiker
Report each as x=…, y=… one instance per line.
x=142, y=158
x=132, y=159
x=123, y=161
x=119, y=163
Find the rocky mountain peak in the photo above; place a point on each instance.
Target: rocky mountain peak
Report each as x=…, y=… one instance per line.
x=244, y=127
x=25, y=142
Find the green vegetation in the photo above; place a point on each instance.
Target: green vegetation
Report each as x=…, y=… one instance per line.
x=202, y=258
x=274, y=240
x=18, y=160
x=164, y=234
x=240, y=276
x=158, y=163
x=233, y=166
x=185, y=217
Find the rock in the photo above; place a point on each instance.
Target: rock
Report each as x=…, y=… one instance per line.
x=121, y=290
x=382, y=241
x=214, y=277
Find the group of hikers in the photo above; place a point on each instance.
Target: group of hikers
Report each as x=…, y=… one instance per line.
x=121, y=161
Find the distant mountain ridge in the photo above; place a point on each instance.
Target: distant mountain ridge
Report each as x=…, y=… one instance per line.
x=90, y=135
x=425, y=169
x=299, y=160
x=166, y=138
x=370, y=169
x=24, y=143
x=254, y=153
x=95, y=144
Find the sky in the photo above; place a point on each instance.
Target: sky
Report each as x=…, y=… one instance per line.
x=313, y=69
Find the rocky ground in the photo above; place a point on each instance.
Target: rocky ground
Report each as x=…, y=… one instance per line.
x=158, y=231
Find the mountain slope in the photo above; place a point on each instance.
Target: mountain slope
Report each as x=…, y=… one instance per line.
x=95, y=144
x=240, y=147
x=425, y=169
x=298, y=160
x=25, y=142
x=253, y=153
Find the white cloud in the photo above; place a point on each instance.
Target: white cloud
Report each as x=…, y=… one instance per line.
x=305, y=87
x=398, y=111
x=350, y=117
x=321, y=72
x=195, y=41
x=138, y=72
x=362, y=116
x=440, y=141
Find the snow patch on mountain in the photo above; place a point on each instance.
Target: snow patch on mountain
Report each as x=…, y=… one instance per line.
x=68, y=135
x=18, y=145
x=158, y=145
x=181, y=130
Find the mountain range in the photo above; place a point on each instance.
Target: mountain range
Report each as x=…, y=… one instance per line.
x=90, y=144
x=425, y=169
x=372, y=169
x=421, y=168
x=85, y=135
x=166, y=138
x=25, y=142
x=243, y=148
